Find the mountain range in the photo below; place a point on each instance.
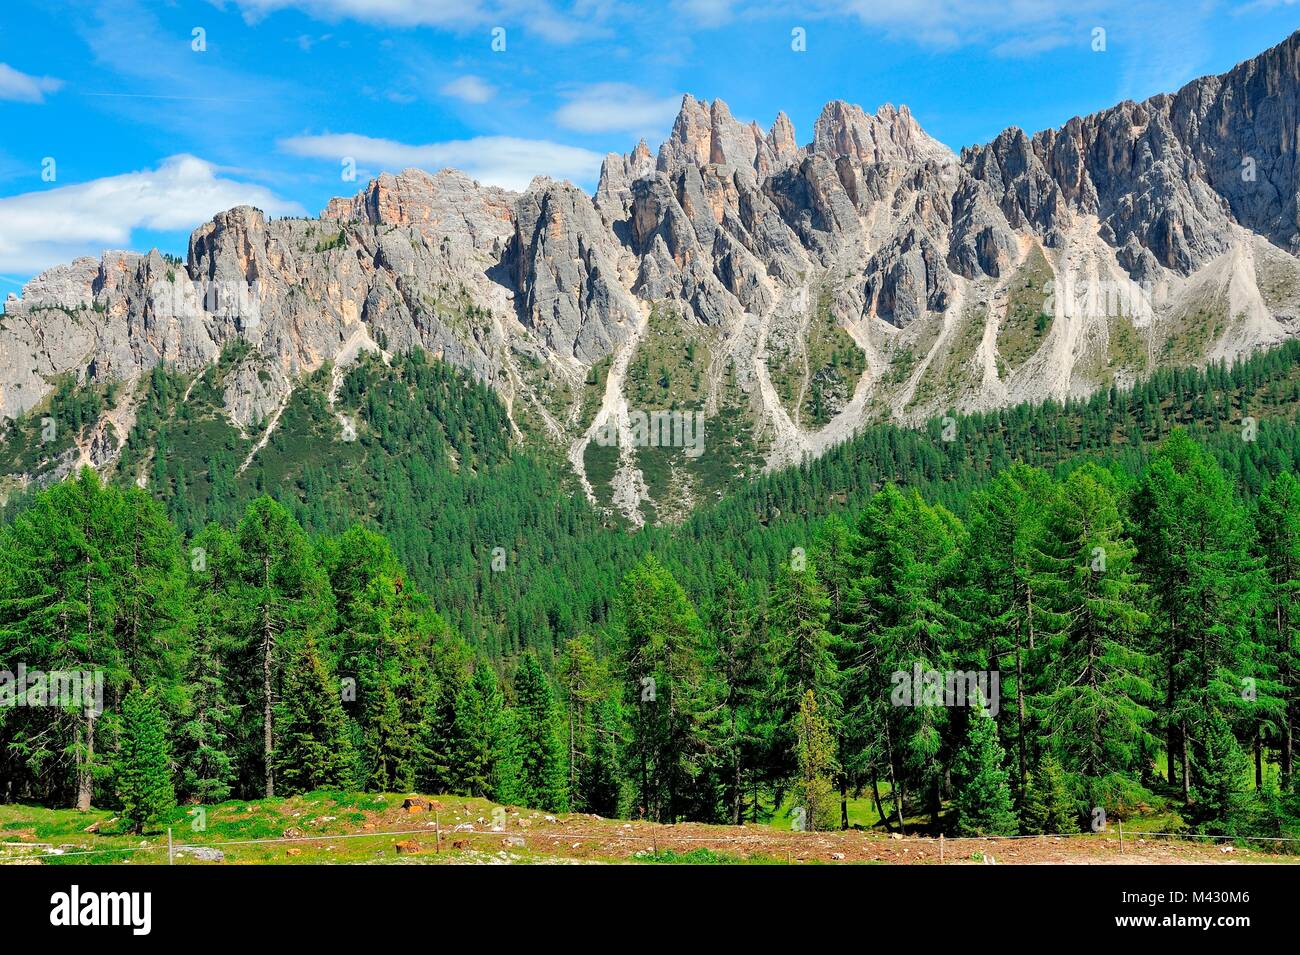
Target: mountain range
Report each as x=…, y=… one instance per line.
x=790, y=294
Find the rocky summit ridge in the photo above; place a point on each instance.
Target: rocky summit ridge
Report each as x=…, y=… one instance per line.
x=788, y=293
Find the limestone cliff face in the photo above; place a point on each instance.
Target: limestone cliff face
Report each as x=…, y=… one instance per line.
x=1029, y=267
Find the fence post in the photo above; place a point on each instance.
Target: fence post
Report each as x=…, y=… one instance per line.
x=1121, y=836
x=437, y=831
x=170, y=856
x=941, y=848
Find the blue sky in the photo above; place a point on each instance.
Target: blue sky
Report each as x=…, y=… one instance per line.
x=124, y=128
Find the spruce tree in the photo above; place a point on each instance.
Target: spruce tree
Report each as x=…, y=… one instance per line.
x=1219, y=775
x=600, y=787
x=439, y=740
x=143, y=772
x=204, y=740
x=313, y=749
x=671, y=698
x=983, y=793
x=1094, y=693
x=480, y=731
x=542, y=782
x=1195, y=548
x=1049, y=809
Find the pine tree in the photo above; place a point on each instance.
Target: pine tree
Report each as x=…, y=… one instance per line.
x=313, y=750
x=1049, y=809
x=983, y=797
x=282, y=598
x=1094, y=692
x=542, y=782
x=600, y=787
x=1278, y=530
x=1194, y=543
x=480, y=731
x=740, y=659
x=582, y=675
x=998, y=594
x=203, y=742
x=1219, y=771
x=143, y=772
x=438, y=743
x=671, y=698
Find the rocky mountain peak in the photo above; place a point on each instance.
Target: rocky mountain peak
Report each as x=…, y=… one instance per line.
x=706, y=133
x=443, y=204
x=869, y=274
x=891, y=135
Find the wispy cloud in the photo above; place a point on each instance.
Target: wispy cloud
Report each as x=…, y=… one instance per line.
x=504, y=161
x=1027, y=46
x=408, y=13
x=40, y=229
x=468, y=89
x=23, y=88
x=140, y=62
x=706, y=13
x=553, y=22
x=617, y=107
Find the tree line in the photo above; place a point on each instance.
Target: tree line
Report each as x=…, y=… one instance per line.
x=1134, y=635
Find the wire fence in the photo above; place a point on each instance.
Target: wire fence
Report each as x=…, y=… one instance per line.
x=650, y=840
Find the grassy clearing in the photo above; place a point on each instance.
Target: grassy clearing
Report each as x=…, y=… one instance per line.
x=1026, y=325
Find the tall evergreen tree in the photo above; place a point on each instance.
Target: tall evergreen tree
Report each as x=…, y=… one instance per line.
x=1278, y=530
x=90, y=582
x=542, y=782
x=283, y=598
x=600, y=785
x=480, y=733
x=1219, y=775
x=671, y=698
x=143, y=772
x=1194, y=543
x=1095, y=694
x=739, y=657
x=983, y=796
x=998, y=595
x=313, y=749
x=203, y=743
x=815, y=765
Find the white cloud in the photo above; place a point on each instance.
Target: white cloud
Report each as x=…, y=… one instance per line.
x=707, y=13
x=406, y=13
x=617, y=107
x=493, y=160
x=1023, y=47
x=40, y=229
x=582, y=18
x=468, y=89
x=23, y=88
